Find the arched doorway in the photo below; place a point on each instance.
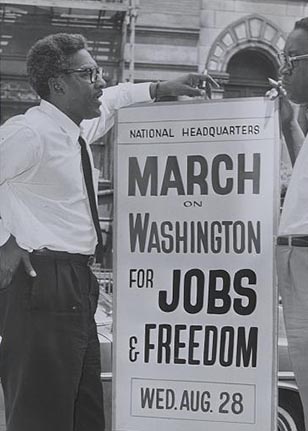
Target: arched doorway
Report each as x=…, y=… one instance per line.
x=249, y=70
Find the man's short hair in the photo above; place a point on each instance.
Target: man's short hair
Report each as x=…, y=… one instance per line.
x=50, y=55
x=302, y=23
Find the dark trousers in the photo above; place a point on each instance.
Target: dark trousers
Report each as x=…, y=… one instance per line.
x=49, y=355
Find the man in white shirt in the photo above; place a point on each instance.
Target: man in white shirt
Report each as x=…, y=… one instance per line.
x=292, y=243
x=49, y=355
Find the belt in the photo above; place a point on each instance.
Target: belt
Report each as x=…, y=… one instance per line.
x=297, y=241
x=83, y=259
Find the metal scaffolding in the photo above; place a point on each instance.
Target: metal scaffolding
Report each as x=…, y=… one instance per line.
x=111, y=5
x=108, y=25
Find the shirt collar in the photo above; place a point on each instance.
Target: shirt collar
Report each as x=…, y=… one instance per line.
x=62, y=120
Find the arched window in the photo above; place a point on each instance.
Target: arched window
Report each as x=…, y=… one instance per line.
x=249, y=71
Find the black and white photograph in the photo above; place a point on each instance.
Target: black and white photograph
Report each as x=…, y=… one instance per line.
x=153, y=228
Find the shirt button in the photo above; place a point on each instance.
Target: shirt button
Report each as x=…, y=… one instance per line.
x=74, y=308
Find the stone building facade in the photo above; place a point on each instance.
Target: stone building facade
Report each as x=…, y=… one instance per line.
x=236, y=40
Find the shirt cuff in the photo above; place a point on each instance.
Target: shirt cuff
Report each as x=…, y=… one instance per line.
x=4, y=234
x=142, y=92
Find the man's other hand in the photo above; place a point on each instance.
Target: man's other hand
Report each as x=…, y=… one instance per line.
x=10, y=257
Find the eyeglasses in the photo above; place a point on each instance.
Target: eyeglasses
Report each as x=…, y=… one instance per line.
x=93, y=72
x=289, y=61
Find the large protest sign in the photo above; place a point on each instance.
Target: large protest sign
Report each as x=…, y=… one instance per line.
x=196, y=214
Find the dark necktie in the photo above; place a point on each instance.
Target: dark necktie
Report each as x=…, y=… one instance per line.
x=87, y=173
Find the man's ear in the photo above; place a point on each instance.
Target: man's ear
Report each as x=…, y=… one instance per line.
x=56, y=85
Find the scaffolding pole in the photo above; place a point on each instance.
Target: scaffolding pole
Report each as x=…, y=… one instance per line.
x=123, y=45
x=120, y=5
x=133, y=13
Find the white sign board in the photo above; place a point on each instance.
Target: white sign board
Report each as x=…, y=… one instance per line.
x=195, y=307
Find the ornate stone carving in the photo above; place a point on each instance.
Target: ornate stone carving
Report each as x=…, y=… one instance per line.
x=252, y=31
